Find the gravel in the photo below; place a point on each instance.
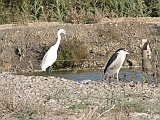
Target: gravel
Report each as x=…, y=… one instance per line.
x=47, y=98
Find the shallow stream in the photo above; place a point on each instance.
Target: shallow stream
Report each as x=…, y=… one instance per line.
x=125, y=74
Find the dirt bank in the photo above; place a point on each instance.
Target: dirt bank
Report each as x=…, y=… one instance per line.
x=23, y=45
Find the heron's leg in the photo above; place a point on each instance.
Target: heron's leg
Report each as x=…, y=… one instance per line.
x=113, y=75
x=105, y=77
x=102, y=79
x=117, y=75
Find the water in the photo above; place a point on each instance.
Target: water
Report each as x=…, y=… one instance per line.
x=125, y=74
x=96, y=75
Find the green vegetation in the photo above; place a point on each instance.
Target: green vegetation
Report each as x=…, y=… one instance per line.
x=70, y=54
x=134, y=106
x=80, y=11
x=28, y=113
x=81, y=105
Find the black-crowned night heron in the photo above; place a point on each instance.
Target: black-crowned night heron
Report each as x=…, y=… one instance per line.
x=115, y=63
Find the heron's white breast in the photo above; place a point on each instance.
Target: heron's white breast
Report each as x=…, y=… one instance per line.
x=121, y=58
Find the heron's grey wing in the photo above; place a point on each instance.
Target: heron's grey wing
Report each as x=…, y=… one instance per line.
x=111, y=60
x=113, y=66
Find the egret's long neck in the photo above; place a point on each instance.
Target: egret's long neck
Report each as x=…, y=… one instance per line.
x=58, y=40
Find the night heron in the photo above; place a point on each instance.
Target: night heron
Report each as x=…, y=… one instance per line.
x=51, y=55
x=115, y=63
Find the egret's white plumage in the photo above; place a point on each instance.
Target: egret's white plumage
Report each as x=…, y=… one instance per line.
x=51, y=55
x=115, y=63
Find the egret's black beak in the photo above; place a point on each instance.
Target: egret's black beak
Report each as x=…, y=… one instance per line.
x=68, y=35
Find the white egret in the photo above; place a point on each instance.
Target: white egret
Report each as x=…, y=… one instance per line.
x=51, y=55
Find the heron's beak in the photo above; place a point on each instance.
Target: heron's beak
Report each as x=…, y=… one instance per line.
x=129, y=51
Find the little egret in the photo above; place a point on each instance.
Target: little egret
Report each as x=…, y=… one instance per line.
x=115, y=63
x=51, y=55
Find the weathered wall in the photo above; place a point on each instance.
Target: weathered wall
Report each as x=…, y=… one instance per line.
x=22, y=46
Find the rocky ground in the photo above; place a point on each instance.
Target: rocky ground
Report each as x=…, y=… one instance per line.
x=49, y=98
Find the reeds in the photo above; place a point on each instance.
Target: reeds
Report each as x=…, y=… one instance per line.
x=73, y=11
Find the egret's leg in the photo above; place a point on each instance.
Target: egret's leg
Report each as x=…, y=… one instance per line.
x=50, y=71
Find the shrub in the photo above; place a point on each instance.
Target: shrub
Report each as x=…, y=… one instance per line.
x=70, y=55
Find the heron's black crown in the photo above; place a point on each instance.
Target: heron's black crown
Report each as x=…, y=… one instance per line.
x=120, y=49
